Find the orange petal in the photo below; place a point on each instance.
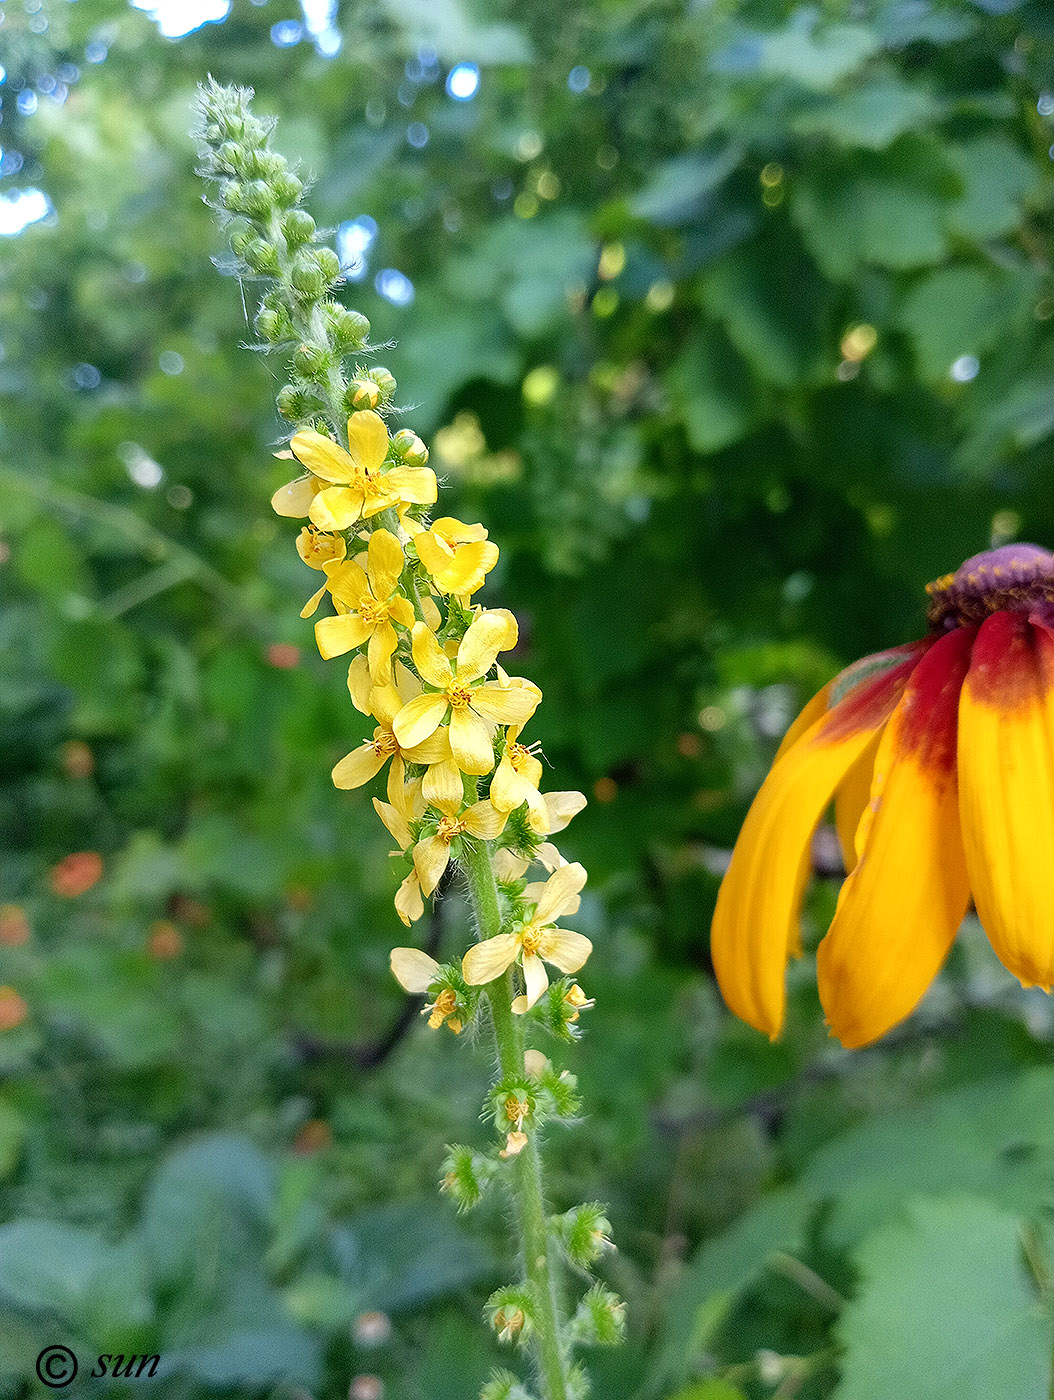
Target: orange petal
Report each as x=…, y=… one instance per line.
x=756, y=921
x=1006, y=777
x=850, y=803
x=900, y=908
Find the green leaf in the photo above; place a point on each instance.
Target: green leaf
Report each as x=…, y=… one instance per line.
x=677, y=188
x=13, y=1129
x=719, y=1274
x=888, y=208
x=997, y=177
x=946, y=1310
x=995, y=1138
x=49, y=1264
x=872, y=115
x=410, y=1253
x=821, y=58
x=759, y=293
x=711, y=390
x=962, y=310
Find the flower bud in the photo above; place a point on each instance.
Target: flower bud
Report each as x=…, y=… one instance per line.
x=231, y=155
x=297, y=402
x=350, y=329
x=286, y=189
x=232, y=196
x=267, y=165
x=407, y=446
x=466, y=1176
x=313, y=362
x=307, y=277
x=240, y=240
x=584, y=1233
x=272, y=325
x=328, y=263
x=261, y=257
x=385, y=381
x=297, y=227
x=362, y=393
x=509, y=1312
x=600, y=1319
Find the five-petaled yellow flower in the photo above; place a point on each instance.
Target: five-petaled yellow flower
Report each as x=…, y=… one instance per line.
x=474, y=705
x=365, y=762
x=457, y=556
x=369, y=603
x=939, y=757
x=536, y=941
x=347, y=486
x=516, y=781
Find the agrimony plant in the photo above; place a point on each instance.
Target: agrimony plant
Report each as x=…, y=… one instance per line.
x=398, y=585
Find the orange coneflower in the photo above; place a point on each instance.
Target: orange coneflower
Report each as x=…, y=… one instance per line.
x=939, y=757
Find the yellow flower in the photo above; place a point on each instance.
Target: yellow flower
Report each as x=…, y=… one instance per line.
x=457, y=556
x=534, y=940
x=369, y=758
x=397, y=817
x=516, y=781
x=317, y=550
x=415, y=972
x=358, y=488
x=939, y=757
x=432, y=853
x=369, y=602
x=473, y=705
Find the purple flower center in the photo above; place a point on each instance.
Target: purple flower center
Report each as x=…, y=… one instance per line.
x=1013, y=576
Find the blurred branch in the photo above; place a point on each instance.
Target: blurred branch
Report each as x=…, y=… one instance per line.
x=179, y=563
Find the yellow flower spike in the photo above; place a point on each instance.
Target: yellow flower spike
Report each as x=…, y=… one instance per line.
x=457, y=556
x=516, y=781
x=472, y=705
x=536, y=941
x=372, y=604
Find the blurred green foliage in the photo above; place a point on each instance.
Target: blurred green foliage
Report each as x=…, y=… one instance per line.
x=732, y=322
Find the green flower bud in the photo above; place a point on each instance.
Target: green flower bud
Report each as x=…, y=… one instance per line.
x=510, y=1312
x=240, y=240
x=232, y=196
x=272, y=325
x=407, y=446
x=504, y=1386
x=261, y=257
x=308, y=279
x=231, y=155
x=362, y=393
x=286, y=189
x=348, y=328
x=385, y=381
x=267, y=165
x=258, y=199
x=466, y=1175
x=600, y=1319
x=584, y=1233
x=297, y=402
x=298, y=227
x=328, y=263
x=313, y=362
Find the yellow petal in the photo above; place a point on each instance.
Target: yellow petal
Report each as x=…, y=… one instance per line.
x=385, y=703
x=1006, y=777
x=443, y=788
x=480, y=645
x=755, y=924
x=431, y=857
x=414, y=970
x=535, y=981
x=415, y=485
x=360, y=684
x=549, y=856
x=537, y=812
x=367, y=439
x=432, y=616
x=322, y=456
x=347, y=582
x=385, y=561
x=401, y=610
x=482, y=820
x=457, y=529
x=394, y=820
x=294, y=500
x=900, y=908
x=513, y=705
x=560, y=890
x=337, y=635
x=358, y=767
x=562, y=807
x=508, y=866
x=311, y=606
x=565, y=949
x=408, y=902
x=489, y=959
x=508, y=788
x=419, y=719
x=470, y=742
x=850, y=803
x=383, y=643
x=336, y=508
x=429, y=658
x=434, y=749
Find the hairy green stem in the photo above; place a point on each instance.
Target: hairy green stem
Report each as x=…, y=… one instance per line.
x=526, y=1174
